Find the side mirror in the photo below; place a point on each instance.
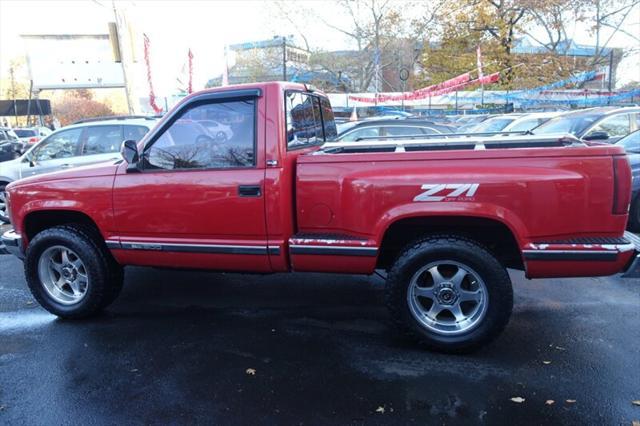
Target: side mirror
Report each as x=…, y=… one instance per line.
x=129, y=151
x=29, y=159
x=598, y=135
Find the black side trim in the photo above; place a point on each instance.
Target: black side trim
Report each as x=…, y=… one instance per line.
x=588, y=240
x=179, y=248
x=320, y=236
x=560, y=255
x=335, y=251
x=112, y=244
x=274, y=251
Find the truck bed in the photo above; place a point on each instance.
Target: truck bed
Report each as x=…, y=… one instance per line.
x=541, y=189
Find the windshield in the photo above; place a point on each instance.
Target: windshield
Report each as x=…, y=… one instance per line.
x=25, y=133
x=343, y=127
x=574, y=125
x=493, y=125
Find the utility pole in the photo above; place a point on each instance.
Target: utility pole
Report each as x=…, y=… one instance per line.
x=610, y=76
x=13, y=94
x=124, y=58
x=284, y=58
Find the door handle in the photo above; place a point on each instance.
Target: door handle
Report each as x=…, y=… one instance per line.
x=66, y=166
x=249, y=190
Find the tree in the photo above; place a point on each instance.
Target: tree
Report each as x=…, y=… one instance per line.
x=79, y=104
x=495, y=25
x=384, y=35
x=16, y=86
x=605, y=18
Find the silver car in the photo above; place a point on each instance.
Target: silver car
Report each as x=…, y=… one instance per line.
x=32, y=135
x=72, y=146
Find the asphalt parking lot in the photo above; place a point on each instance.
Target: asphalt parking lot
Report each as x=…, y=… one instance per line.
x=191, y=347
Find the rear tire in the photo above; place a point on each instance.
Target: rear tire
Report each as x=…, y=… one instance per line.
x=449, y=293
x=69, y=273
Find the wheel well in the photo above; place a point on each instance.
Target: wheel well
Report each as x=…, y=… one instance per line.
x=40, y=220
x=494, y=235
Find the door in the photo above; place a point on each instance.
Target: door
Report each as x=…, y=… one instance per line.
x=57, y=152
x=197, y=200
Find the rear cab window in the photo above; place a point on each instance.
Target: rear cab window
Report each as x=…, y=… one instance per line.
x=310, y=120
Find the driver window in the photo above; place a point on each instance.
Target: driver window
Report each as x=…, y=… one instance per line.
x=63, y=144
x=206, y=136
x=616, y=126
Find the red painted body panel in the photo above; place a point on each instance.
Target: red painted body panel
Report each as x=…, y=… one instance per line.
x=544, y=197
x=83, y=189
x=540, y=194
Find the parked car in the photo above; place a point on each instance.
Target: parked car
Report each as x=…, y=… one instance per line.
x=71, y=146
x=444, y=219
x=31, y=135
x=530, y=121
x=221, y=132
x=467, y=122
x=606, y=124
x=631, y=144
x=10, y=145
x=494, y=124
x=354, y=131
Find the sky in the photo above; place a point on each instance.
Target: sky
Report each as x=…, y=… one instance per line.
x=205, y=27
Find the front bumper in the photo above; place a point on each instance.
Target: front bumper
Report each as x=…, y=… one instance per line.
x=633, y=270
x=13, y=243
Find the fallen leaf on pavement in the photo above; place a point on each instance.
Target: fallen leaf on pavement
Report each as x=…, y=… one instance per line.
x=518, y=399
x=549, y=402
x=546, y=362
x=560, y=348
x=29, y=302
x=251, y=371
x=635, y=423
x=636, y=402
x=571, y=401
x=134, y=370
x=380, y=410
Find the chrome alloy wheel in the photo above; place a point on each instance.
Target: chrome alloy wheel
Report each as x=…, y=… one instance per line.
x=447, y=297
x=63, y=275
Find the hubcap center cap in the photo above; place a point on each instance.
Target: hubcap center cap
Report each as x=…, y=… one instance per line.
x=446, y=294
x=69, y=273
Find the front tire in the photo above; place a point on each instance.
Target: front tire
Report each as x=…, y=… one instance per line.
x=449, y=293
x=69, y=273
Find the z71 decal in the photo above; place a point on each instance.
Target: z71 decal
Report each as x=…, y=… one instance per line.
x=447, y=191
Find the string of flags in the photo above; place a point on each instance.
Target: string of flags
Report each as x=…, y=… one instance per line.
x=147, y=61
x=528, y=96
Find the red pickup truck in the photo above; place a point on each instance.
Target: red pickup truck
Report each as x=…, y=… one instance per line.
x=249, y=178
